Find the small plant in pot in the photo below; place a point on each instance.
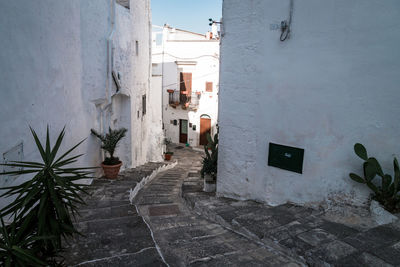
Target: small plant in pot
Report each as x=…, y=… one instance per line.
x=167, y=154
x=210, y=163
x=111, y=164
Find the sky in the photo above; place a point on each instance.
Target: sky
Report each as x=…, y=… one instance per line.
x=191, y=15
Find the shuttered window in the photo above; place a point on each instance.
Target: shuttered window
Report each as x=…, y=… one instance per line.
x=209, y=86
x=186, y=83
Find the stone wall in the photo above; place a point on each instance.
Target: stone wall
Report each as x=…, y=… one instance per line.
x=54, y=71
x=333, y=83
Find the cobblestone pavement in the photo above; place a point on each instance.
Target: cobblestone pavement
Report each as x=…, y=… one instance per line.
x=186, y=239
x=304, y=231
x=172, y=222
x=115, y=235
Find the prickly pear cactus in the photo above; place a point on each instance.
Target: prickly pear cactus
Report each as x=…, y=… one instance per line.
x=386, y=191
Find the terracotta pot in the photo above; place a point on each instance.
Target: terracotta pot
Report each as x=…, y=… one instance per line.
x=111, y=171
x=167, y=156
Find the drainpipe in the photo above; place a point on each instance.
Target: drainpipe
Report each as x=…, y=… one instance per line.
x=110, y=53
x=107, y=104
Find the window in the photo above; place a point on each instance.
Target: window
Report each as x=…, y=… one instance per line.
x=209, y=86
x=143, y=105
x=137, y=48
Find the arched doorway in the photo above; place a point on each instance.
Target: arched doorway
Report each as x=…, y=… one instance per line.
x=205, y=127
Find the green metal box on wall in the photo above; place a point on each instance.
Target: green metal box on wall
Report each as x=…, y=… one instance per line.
x=286, y=157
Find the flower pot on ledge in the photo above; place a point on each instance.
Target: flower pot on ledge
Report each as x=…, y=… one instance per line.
x=210, y=184
x=111, y=171
x=168, y=155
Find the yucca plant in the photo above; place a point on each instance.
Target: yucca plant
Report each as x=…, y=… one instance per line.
x=48, y=200
x=17, y=246
x=386, y=191
x=109, y=143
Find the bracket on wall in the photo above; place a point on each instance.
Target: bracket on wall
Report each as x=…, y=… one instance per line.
x=286, y=24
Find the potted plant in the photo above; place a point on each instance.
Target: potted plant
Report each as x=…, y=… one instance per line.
x=210, y=161
x=167, y=154
x=111, y=164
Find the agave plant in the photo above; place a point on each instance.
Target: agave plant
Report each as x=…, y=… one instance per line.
x=48, y=200
x=109, y=143
x=386, y=192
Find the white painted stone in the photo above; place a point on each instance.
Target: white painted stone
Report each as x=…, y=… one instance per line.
x=53, y=70
x=335, y=82
x=380, y=215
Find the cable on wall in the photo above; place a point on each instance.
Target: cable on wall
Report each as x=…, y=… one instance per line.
x=286, y=25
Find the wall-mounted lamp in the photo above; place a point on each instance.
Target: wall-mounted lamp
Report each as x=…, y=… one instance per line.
x=213, y=21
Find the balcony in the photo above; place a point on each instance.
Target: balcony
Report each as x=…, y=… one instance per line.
x=174, y=98
x=181, y=98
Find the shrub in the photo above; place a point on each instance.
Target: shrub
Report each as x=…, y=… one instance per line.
x=210, y=161
x=109, y=143
x=384, y=191
x=44, y=204
x=167, y=142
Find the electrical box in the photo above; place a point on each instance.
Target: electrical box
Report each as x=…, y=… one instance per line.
x=286, y=157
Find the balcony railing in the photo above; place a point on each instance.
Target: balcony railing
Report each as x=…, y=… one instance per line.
x=177, y=98
x=173, y=99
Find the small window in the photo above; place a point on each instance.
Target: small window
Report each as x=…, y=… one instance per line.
x=143, y=105
x=209, y=86
x=137, y=48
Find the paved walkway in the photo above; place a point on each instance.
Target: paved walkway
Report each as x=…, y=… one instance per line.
x=174, y=223
x=115, y=235
x=308, y=233
x=187, y=239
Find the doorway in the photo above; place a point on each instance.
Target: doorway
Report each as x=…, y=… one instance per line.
x=205, y=127
x=183, y=131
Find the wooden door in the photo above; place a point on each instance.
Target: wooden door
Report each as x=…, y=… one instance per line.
x=183, y=131
x=205, y=127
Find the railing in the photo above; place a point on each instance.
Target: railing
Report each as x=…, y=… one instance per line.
x=173, y=99
x=194, y=101
x=177, y=98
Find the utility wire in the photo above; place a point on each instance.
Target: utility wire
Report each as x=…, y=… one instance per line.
x=195, y=78
x=182, y=58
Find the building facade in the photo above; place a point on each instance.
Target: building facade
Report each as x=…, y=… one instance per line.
x=186, y=70
x=325, y=81
x=83, y=64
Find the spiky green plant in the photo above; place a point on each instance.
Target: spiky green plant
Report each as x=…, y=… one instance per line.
x=386, y=191
x=109, y=143
x=48, y=200
x=17, y=246
x=210, y=161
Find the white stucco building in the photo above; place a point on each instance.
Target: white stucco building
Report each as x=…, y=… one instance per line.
x=83, y=64
x=186, y=71
x=332, y=83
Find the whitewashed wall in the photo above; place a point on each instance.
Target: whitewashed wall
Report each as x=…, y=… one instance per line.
x=181, y=46
x=335, y=82
x=53, y=70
